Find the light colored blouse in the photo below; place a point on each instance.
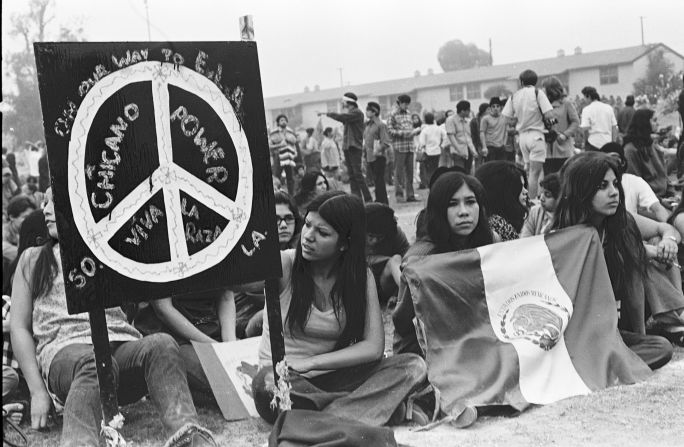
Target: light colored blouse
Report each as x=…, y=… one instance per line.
x=53, y=327
x=321, y=333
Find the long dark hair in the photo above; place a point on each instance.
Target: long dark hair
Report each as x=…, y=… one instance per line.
x=438, y=228
x=45, y=270
x=309, y=180
x=639, y=131
x=283, y=198
x=33, y=233
x=501, y=182
x=346, y=215
x=624, y=250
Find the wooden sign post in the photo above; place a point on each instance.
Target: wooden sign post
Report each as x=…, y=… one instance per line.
x=160, y=172
x=272, y=292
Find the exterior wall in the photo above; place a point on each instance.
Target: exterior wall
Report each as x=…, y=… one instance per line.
x=628, y=74
x=579, y=79
x=436, y=98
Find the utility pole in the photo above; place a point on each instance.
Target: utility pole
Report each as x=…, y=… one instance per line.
x=641, y=19
x=147, y=14
x=491, y=57
x=341, y=80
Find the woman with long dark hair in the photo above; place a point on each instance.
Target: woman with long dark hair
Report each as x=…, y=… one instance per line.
x=456, y=220
x=643, y=159
x=334, y=336
x=313, y=184
x=55, y=354
x=505, y=185
x=591, y=194
x=568, y=122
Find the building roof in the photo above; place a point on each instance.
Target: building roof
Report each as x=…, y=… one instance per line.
x=544, y=67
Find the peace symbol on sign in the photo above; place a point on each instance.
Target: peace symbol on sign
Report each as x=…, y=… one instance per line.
x=169, y=177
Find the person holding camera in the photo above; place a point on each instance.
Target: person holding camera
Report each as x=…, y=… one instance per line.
x=563, y=147
x=528, y=108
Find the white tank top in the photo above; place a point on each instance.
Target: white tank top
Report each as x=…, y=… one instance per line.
x=320, y=335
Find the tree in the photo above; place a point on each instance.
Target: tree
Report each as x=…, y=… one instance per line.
x=24, y=120
x=660, y=81
x=455, y=55
x=498, y=90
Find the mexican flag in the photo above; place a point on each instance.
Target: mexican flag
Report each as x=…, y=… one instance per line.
x=530, y=321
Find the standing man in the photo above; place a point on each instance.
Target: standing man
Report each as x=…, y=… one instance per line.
x=527, y=108
x=493, y=132
x=432, y=138
x=458, y=130
x=598, y=121
x=401, y=130
x=625, y=115
x=376, y=143
x=352, y=143
x=311, y=153
x=283, y=144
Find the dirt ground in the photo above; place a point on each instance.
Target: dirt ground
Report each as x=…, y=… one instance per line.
x=646, y=414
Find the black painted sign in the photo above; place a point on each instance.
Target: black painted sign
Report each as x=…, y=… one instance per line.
x=160, y=168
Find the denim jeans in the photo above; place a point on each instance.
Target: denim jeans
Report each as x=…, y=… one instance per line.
x=367, y=393
x=431, y=162
x=151, y=365
x=378, y=169
x=403, y=165
x=352, y=158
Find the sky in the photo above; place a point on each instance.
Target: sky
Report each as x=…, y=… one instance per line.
x=304, y=43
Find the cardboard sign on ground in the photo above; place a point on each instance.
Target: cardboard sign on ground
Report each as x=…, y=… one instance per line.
x=230, y=368
x=160, y=168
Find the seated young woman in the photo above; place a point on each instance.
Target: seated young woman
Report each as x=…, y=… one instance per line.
x=592, y=194
x=505, y=185
x=205, y=317
x=313, y=184
x=541, y=216
x=455, y=220
x=386, y=244
x=639, y=197
x=249, y=304
x=334, y=336
x=643, y=158
x=55, y=354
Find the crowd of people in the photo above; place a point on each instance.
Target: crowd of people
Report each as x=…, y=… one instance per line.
x=512, y=170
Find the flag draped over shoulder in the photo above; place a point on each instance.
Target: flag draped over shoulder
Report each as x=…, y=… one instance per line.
x=530, y=321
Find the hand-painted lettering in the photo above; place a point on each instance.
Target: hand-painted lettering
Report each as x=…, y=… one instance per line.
x=217, y=174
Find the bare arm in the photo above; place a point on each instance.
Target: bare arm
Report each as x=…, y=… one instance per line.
x=226, y=316
x=367, y=350
x=24, y=347
x=659, y=212
x=177, y=322
x=668, y=246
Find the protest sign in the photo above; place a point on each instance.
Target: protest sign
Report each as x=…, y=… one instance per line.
x=230, y=368
x=160, y=169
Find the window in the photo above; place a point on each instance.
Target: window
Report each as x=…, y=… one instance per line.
x=332, y=106
x=608, y=75
x=456, y=92
x=473, y=90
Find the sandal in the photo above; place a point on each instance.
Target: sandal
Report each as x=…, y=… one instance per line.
x=12, y=435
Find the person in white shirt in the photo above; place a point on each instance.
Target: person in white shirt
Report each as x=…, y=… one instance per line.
x=431, y=140
x=598, y=121
x=639, y=197
x=528, y=107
